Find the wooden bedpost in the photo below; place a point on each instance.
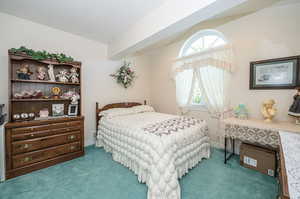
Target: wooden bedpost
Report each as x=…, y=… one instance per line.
x=145, y=102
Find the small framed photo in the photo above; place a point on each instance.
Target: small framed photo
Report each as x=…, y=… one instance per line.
x=44, y=113
x=73, y=110
x=58, y=110
x=282, y=73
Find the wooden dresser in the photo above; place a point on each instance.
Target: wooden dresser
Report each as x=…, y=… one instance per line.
x=37, y=144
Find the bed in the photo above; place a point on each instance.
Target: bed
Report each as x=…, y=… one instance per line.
x=158, y=148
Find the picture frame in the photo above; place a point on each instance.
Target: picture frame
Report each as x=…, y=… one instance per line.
x=281, y=73
x=73, y=110
x=58, y=110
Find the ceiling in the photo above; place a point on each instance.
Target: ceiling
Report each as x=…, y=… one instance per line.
x=244, y=9
x=100, y=20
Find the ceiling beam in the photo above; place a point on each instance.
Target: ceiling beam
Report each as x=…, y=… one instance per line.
x=173, y=17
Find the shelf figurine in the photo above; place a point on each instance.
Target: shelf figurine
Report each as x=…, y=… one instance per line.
x=75, y=97
x=268, y=110
x=51, y=73
x=56, y=92
x=241, y=111
x=74, y=76
x=63, y=76
x=41, y=74
x=24, y=72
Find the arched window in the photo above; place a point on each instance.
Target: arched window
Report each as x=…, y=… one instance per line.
x=201, y=41
x=202, y=70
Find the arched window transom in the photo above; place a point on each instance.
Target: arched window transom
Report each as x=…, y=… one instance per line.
x=203, y=40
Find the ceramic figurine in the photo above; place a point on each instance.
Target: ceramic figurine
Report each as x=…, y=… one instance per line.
x=31, y=116
x=241, y=112
x=33, y=94
x=16, y=117
x=75, y=99
x=24, y=72
x=56, y=92
x=74, y=76
x=294, y=110
x=69, y=95
x=24, y=116
x=51, y=73
x=41, y=74
x=37, y=94
x=62, y=76
x=268, y=110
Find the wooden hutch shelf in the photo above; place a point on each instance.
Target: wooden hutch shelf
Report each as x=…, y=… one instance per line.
x=38, y=100
x=43, y=142
x=21, y=57
x=44, y=82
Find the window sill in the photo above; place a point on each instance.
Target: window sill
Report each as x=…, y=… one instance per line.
x=201, y=108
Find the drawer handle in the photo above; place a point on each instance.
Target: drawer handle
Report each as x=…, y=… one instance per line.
x=73, y=147
x=27, y=159
x=26, y=146
x=72, y=137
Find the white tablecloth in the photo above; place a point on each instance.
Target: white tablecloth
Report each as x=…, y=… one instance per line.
x=291, y=151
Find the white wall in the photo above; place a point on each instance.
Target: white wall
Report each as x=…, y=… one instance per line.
x=270, y=33
x=96, y=68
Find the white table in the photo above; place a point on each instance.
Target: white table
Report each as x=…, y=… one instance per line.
x=255, y=132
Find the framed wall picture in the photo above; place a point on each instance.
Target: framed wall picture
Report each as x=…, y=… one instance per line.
x=73, y=110
x=282, y=73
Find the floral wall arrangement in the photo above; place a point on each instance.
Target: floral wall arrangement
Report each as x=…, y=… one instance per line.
x=125, y=75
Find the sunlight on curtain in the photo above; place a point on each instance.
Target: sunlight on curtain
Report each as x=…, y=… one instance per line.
x=184, y=82
x=214, y=82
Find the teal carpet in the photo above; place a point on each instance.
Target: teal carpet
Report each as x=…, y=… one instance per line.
x=97, y=176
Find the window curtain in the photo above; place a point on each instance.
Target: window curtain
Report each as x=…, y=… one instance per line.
x=212, y=69
x=184, y=87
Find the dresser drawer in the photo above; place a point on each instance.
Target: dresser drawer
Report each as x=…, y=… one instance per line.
x=23, y=130
x=40, y=143
x=37, y=156
x=37, y=134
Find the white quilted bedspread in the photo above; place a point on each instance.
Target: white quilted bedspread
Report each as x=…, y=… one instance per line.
x=157, y=160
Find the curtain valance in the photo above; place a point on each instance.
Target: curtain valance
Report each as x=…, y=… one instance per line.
x=220, y=57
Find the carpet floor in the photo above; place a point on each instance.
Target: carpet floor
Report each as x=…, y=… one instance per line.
x=97, y=176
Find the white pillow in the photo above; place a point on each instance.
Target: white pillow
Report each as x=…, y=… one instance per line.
x=117, y=112
x=143, y=109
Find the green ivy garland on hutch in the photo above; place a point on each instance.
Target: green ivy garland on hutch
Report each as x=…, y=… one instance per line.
x=42, y=55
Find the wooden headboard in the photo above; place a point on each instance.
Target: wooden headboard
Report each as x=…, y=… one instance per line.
x=115, y=105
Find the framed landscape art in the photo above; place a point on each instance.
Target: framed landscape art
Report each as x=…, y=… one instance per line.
x=281, y=73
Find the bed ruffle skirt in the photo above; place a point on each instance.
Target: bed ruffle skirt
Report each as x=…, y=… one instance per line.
x=158, y=164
